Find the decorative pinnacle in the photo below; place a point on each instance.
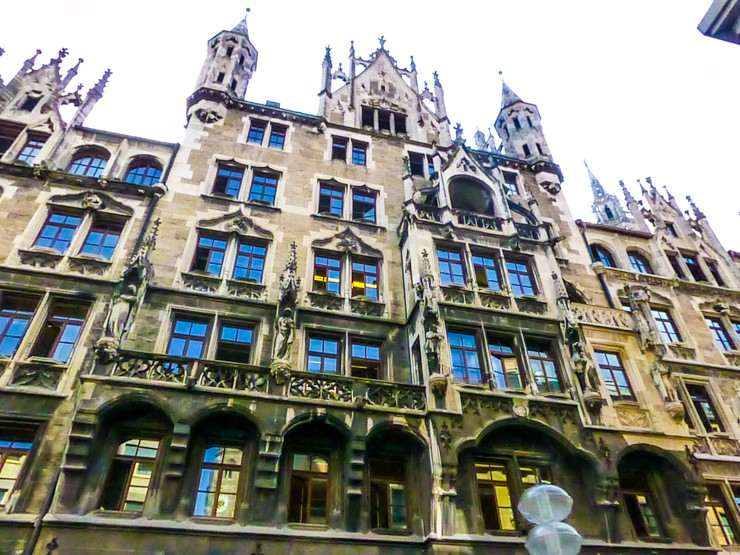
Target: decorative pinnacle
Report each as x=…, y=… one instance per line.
x=413, y=65
x=627, y=195
x=327, y=56
x=28, y=64
x=382, y=42
x=698, y=214
x=62, y=54
x=668, y=193
x=436, y=79
x=352, y=48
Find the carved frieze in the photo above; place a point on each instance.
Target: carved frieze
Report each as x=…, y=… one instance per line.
x=602, y=316
x=494, y=299
x=458, y=295
x=366, y=306
x=246, y=289
x=396, y=396
x=39, y=258
x=88, y=266
x=326, y=300
x=319, y=387
x=633, y=417
x=201, y=282
x=38, y=374
x=531, y=305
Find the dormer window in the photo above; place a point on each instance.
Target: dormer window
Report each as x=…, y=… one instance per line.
x=30, y=103
x=392, y=122
x=525, y=149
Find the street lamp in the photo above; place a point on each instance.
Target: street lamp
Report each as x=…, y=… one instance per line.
x=547, y=506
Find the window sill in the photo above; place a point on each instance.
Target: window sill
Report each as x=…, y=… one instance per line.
x=306, y=526
x=117, y=514
x=391, y=532
x=360, y=223
x=203, y=282
x=326, y=300
x=253, y=204
x=222, y=521
x=40, y=258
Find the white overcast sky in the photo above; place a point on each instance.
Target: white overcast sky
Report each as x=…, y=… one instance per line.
x=629, y=85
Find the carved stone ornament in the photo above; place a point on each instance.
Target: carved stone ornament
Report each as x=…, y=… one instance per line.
x=551, y=187
x=288, y=290
x=280, y=371
x=92, y=202
x=438, y=384
x=208, y=115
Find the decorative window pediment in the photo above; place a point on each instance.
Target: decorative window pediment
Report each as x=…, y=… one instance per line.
x=89, y=200
x=235, y=222
x=346, y=241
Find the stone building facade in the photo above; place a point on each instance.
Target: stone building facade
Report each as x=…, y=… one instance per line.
x=347, y=332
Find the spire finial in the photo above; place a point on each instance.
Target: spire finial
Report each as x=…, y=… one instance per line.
x=413, y=65
x=508, y=97
x=627, y=195
x=698, y=214
x=436, y=78
x=327, y=56
x=352, y=49
x=382, y=42
x=241, y=27
x=62, y=54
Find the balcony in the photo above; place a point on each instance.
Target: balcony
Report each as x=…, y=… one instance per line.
x=472, y=219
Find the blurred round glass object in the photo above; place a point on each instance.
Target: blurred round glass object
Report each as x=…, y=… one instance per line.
x=545, y=503
x=553, y=538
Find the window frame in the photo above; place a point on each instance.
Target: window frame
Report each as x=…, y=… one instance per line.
x=103, y=225
x=221, y=468
x=639, y=262
x=10, y=316
x=64, y=321
x=121, y=440
x=56, y=212
x=231, y=168
x=13, y=436
x=464, y=376
x=493, y=340
x=531, y=273
x=308, y=476
x=151, y=175
x=609, y=369
x=549, y=348
x=720, y=502
x=211, y=250
x=265, y=175
x=720, y=335
x=462, y=279
x=31, y=149
x=601, y=254
x=494, y=266
x=667, y=333
x=93, y=167
x=701, y=421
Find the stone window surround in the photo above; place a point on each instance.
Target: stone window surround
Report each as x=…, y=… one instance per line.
x=701, y=260
x=215, y=319
x=428, y=154
x=519, y=344
x=244, y=133
x=250, y=167
x=36, y=325
x=634, y=377
x=729, y=328
x=345, y=339
x=345, y=262
x=717, y=406
x=678, y=323
x=348, y=186
x=366, y=139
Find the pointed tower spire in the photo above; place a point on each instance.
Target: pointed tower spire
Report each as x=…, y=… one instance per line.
x=596, y=187
x=326, y=77
x=508, y=97
x=92, y=97
x=71, y=73
x=241, y=27
x=606, y=206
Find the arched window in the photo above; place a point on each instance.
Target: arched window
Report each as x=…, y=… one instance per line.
x=143, y=171
x=600, y=254
x=639, y=262
x=89, y=162
x=471, y=195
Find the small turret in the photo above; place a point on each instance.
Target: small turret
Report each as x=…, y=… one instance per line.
x=92, y=97
x=606, y=206
x=520, y=127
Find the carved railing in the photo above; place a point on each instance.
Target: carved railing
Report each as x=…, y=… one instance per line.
x=152, y=367
x=527, y=231
x=344, y=389
x=477, y=220
x=602, y=316
x=428, y=212
x=239, y=377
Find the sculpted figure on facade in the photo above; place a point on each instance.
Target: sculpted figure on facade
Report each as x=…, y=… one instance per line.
x=288, y=289
x=639, y=300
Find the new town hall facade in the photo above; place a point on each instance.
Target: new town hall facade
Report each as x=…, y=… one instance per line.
x=347, y=332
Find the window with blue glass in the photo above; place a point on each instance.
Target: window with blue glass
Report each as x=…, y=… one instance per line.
x=520, y=277
x=736, y=325
x=14, y=450
x=504, y=363
x=359, y=153
x=331, y=200
x=666, y=326
x=250, y=261
x=511, y=187
x=219, y=483
x=639, y=263
x=327, y=274
x=235, y=342
x=450, y=267
x=277, y=136
x=323, y=354
x=228, y=180
x=257, y=131
x=143, y=172
x=264, y=188
x=102, y=239
x=30, y=150
x=61, y=331
x=188, y=338
x=614, y=375
x=544, y=368
x=363, y=205
x=486, y=272
x=719, y=334
x=58, y=231
x=365, y=359
x=365, y=279
x=209, y=255
x=16, y=312
x=466, y=366
x=90, y=164
x=600, y=254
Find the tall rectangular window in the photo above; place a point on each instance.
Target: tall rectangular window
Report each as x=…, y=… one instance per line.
x=384, y=120
x=430, y=165
x=692, y=263
x=130, y=475
x=58, y=231
x=14, y=450
x=277, y=136
x=399, y=121
x=235, y=342
x=309, y=489
x=209, y=256
x=327, y=274
x=102, y=239
x=323, y=355
x=720, y=524
x=511, y=186
x=667, y=328
x=450, y=267
x=61, y=331
x=228, y=181
x=30, y=150
x=188, y=338
x=339, y=148
x=544, y=368
x=359, y=153
x=218, y=483
x=331, y=200
x=465, y=360
x=614, y=375
x=16, y=312
x=365, y=359
x=704, y=406
x=387, y=494
x=486, y=272
x=363, y=206
x=496, y=496
x=504, y=363
x=676, y=265
x=526, y=150
x=520, y=277
x=257, y=131
x=264, y=188
x=416, y=163
x=8, y=134
x=641, y=510
x=368, y=117
x=714, y=270
x=365, y=279
x=719, y=333
x=250, y=262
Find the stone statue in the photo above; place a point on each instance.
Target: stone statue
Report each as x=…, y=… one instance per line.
x=288, y=290
x=582, y=367
x=284, y=335
x=664, y=383
x=639, y=299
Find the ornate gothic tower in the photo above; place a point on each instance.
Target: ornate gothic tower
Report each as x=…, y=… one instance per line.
x=520, y=127
x=230, y=62
x=606, y=206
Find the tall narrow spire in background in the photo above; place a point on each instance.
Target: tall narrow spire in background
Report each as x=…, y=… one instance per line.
x=241, y=27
